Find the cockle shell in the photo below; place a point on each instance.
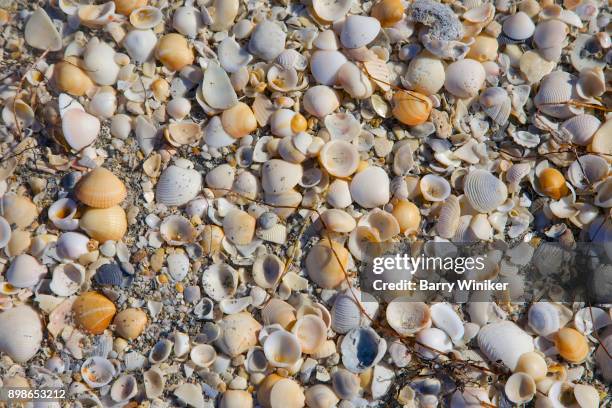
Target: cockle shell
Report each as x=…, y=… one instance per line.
x=140, y=44
x=267, y=40
x=345, y=313
x=408, y=317
x=425, y=74
x=282, y=349
x=22, y=333
x=279, y=176
x=67, y=279
x=504, y=341
x=556, y=89
x=464, y=78
x=219, y=281
x=322, y=265
x=331, y=10
x=41, y=33
x=520, y=388
x=320, y=101
x=497, y=104
x=581, y=128
x=359, y=31
x=19, y=210
x=587, y=170
x=93, y=312
x=25, y=271
x=518, y=26
x=544, y=318
x=448, y=218
x=550, y=33
x=104, y=224
x=177, y=186
x=100, y=188
x=130, y=323
x=325, y=66
x=484, y=191
x=434, y=188
x=362, y=348
x=363, y=191
x=80, y=129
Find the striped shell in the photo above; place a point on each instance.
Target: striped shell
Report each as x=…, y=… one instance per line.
x=496, y=104
x=177, y=186
x=484, y=191
x=345, y=314
x=504, y=341
x=556, y=89
x=581, y=128
x=517, y=172
x=104, y=224
x=93, y=312
x=100, y=188
x=448, y=219
x=587, y=170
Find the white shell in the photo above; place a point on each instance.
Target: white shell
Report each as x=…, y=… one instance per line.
x=345, y=313
x=40, y=32
x=61, y=213
x=581, y=128
x=555, y=90
x=346, y=384
x=432, y=338
x=21, y=333
x=25, y=271
x=181, y=343
x=203, y=355
x=187, y=21
x=291, y=58
x=445, y=318
x=359, y=31
x=104, y=103
x=267, y=270
x=71, y=245
x=520, y=388
x=160, y=351
x=544, y=318
x=325, y=65
x=219, y=281
x=97, y=371
x=448, y=218
x=280, y=122
x=587, y=170
x=178, y=266
x=67, y=279
x=231, y=56
x=177, y=186
x=504, y=341
x=267, y=40
x=464, y=78
x=124, y=388
x=189, y=395
x=603, y=197
x=550, y=33
x=279, y=176
x=5, y=232
x=282, y=349
x=217, y=88
x=178, y=108
x=342, y=126
x=338, y=194
x=339, y=158
x=121, y=126
x=338, y=221
x=362, y=348
x=496, y=104
x=80, y=129
x=331, y=10
x=320, y=101
x=326, y=40
x=518, y=26
x=320, y=396
x=99, y=60
x=221, y=178
x=425, y=74
x=311, y=331
x=370, y=187
x=140, y=45
x=434, y=188
x=601, y=357
x=354, y=81
x=484, y=191
x=215, y=135
x=154, y=382
x=590, y=319
x=408, y=317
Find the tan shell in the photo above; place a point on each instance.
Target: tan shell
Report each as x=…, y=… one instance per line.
x=411, y=108
x=323, y=266
x=572, y=345
x=174, y=52
x=125, y=7
x=601, y=142
x=267, y=270
x=425, y=74
x=388, y=12
x=100, y=188
x=321, y=396
x=239, y=120
x=533, y=364
x=483, y=49
x=238, y=333
x=104, y=224
x=239, y=227
x=279, y=176
x=130, y=323
x=408, y=317
x=448, y=218
x=70, y=78
x=177, y=230
x=183, y=133
x=236, y=399
x=320, y=101
x=338, y=221
x=340, y=158
x=311, y=331
x=19, y=210
x=407, y=215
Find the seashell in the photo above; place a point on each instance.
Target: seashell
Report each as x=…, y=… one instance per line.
x=25, y=271
x=290, y=58
x=177, y=186
x=125, y=7
x=19, y=210
x=267, y=270
x=124, y=388
x=589, y=319
x=67, y=279
x=526, y=139
x=72, y=245
x=239, y=333
x=600, y=143
x=342, y=126
x=96, y=16
x=496, y=104
x=174, y=52
x=93, y=312
x=311, y=332
x=504, y=341
x=104, y=224
x=434, y=188
x=425, y=74
x=555, y=90
x=483, y=49
x=359, y=31
x=70, y=78
x=581, y=128
x=5, y=232
x=320, y=101
x=572, y=345
x=17, y=113
x=140, y=45
x=160, y=351
x=239, y=227
x=325, y=66
x=239, y=120
x=333, y=10
x=345, y=314
x=587, y=170
x=267, y=40
x=279, y=176
x=178, y=108
x=326, y=40
x=354, y=81
x=323, y=267
x=232, y=57
x=591, y=82
x=187, y=20
x=40, y=32
x=550, y=33
x=217, y=88
x=154, y=382
x=338, y=221
x=219, y=281
x=362, y=191
x=276, y=392
x=411, y=108
x=339, y=158
x=520, y=388
x=279, y=312
x=99, y=62
x=203, y=355
x=518, y=26
x=181, y=344
x=407, y=317
x=532, y=364
x=97, y=371
x=189, y=395
x=320, y=396
x=388, y=12
x=146, y=17
x=383, y=222
x=552, y=183
x=464, y=78
x=236, y=399
x=431, y=342
x=130, y=323
x=104, y=103
x=22, y=333
x=362, y=348
x=80, y=129
x=283, y=79
x=121, y=126
x=100, y=188
x=346, y=384
x=282, y=349
x=484, y=191
x=223, y=12
x=445, y=318
x=109, y=274
x=544, y=318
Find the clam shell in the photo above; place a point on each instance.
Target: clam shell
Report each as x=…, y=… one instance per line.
x=217, y=88
x=370, y=187
x=520, y=388
x=96, y=15
x=342, y=126
x=484, y=191
x=326, y=40
x=130, y=323
x=19, y=210
x=322, y=265
x=464, y=78
x=239, y=227
x=362, y=348
x=104, y=103
x=354, y=81
x=600, y=142
x=408, y=317
x=160, y=351
x=267, y=270
x=67, y=279
x=556, y=89
x=320, y=101
x=338, y=221
x=239, y=333
x=581, y=128
x=279, y=176
x=140, y=44
x=154, y=382
x=431, y=342
x=178, y=108
x=445, y=318
x=331, y=10
x=434, y=188
x=267, y=40
x=124, y=388
x=425, y=74
x=533, y=364
x=203, y=355
x=146, y=17
x=25, y=271
x=236, y=399
x=40, y=32
x=320, y=396
x=311, y=332
x=187, y=20
x=177, y=186
x=232, y=57
x=518, y=26
x=174, y=52
x=325, y=65
x=587, y=170
x=215, y=135
x=219, y=281
x=104, y=224
x=544, y=318
x=346, y=384
x=5, y=232
x=504, y=341
x=572, y=345
x=70, y=78
x=496, y=104
x=97, y=371
x=239, y=120
x=99, y=61
x=291, y=58
x=72, y=245
x=550, y=33
x=339, y=157
x=224, y=12
x=22, y=333
x=278, y=312
x=359, y=31
x=80, y=129
x=282, y=349
x=100, y=188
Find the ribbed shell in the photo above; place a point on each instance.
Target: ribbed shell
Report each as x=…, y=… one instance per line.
x=504, y=341
x=448, y=220
x=550, y=33
x=103, y=224
x=484, y=191
x=581, y=128
x=93, y=312
x=496, y=104
x=345, y=314
x=556, y=89
x=587, y=170
x=517, y=172
x=100, y=188
x=177, y=186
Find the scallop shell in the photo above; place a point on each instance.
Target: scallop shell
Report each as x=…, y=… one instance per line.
x=40, y=32
x=97, y=371
x=22, y=333
x=518, y=26
x=425, y=74
x=232, y=57
x=363, y=191
x=219, y=281
x=93, y=312
x=359, y=31
x=279, y=176
x=177, y=186
x=434, y=188
x=331, y=10
x=124, y=388
x=484, y=191
x=464, y=78
x=217, y=88
x=555, y=90
x=25, y=271
x=140, y=45
x=587, y=170
x=100, y=188
x=362, y=348
x=322, y=265
x=340, y=158
x=520, y=388
x=408, y=317
x=431, y=342
x=320, y=101
x=267, y=40
x=80, y=129
x=104, y=224
x=67, y=279
x=504, y=341
x=325, y=65
x=581, y=128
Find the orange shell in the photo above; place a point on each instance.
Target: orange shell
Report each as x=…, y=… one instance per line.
x=322, y=265
x=411, y=108
x=174, y=52
x=552, y=183
x=388, y=12
x=125, y=7
x=104, y=224
x=265, y=389
x=93, y=312
x=100, y=189
x=407, y=215
x=129, y=323
x=70, y=78
x=572, y=345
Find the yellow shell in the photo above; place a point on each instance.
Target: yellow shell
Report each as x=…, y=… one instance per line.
x=298, y=123
x=239, y=120
x=174, y=52
x=160, y=89
x=552, y=183
x=93, y=312
x=388, y=12
x=129, y=323
x=323, y=266
x=483, y=49
x=533, y=364
x=411, y=108
x=125, y=7
x=100, y=188
x=407, y=215
x=572, y=345
x=104, y=224
x=70, y=78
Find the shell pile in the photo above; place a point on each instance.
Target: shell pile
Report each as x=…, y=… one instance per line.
x=188, y=191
